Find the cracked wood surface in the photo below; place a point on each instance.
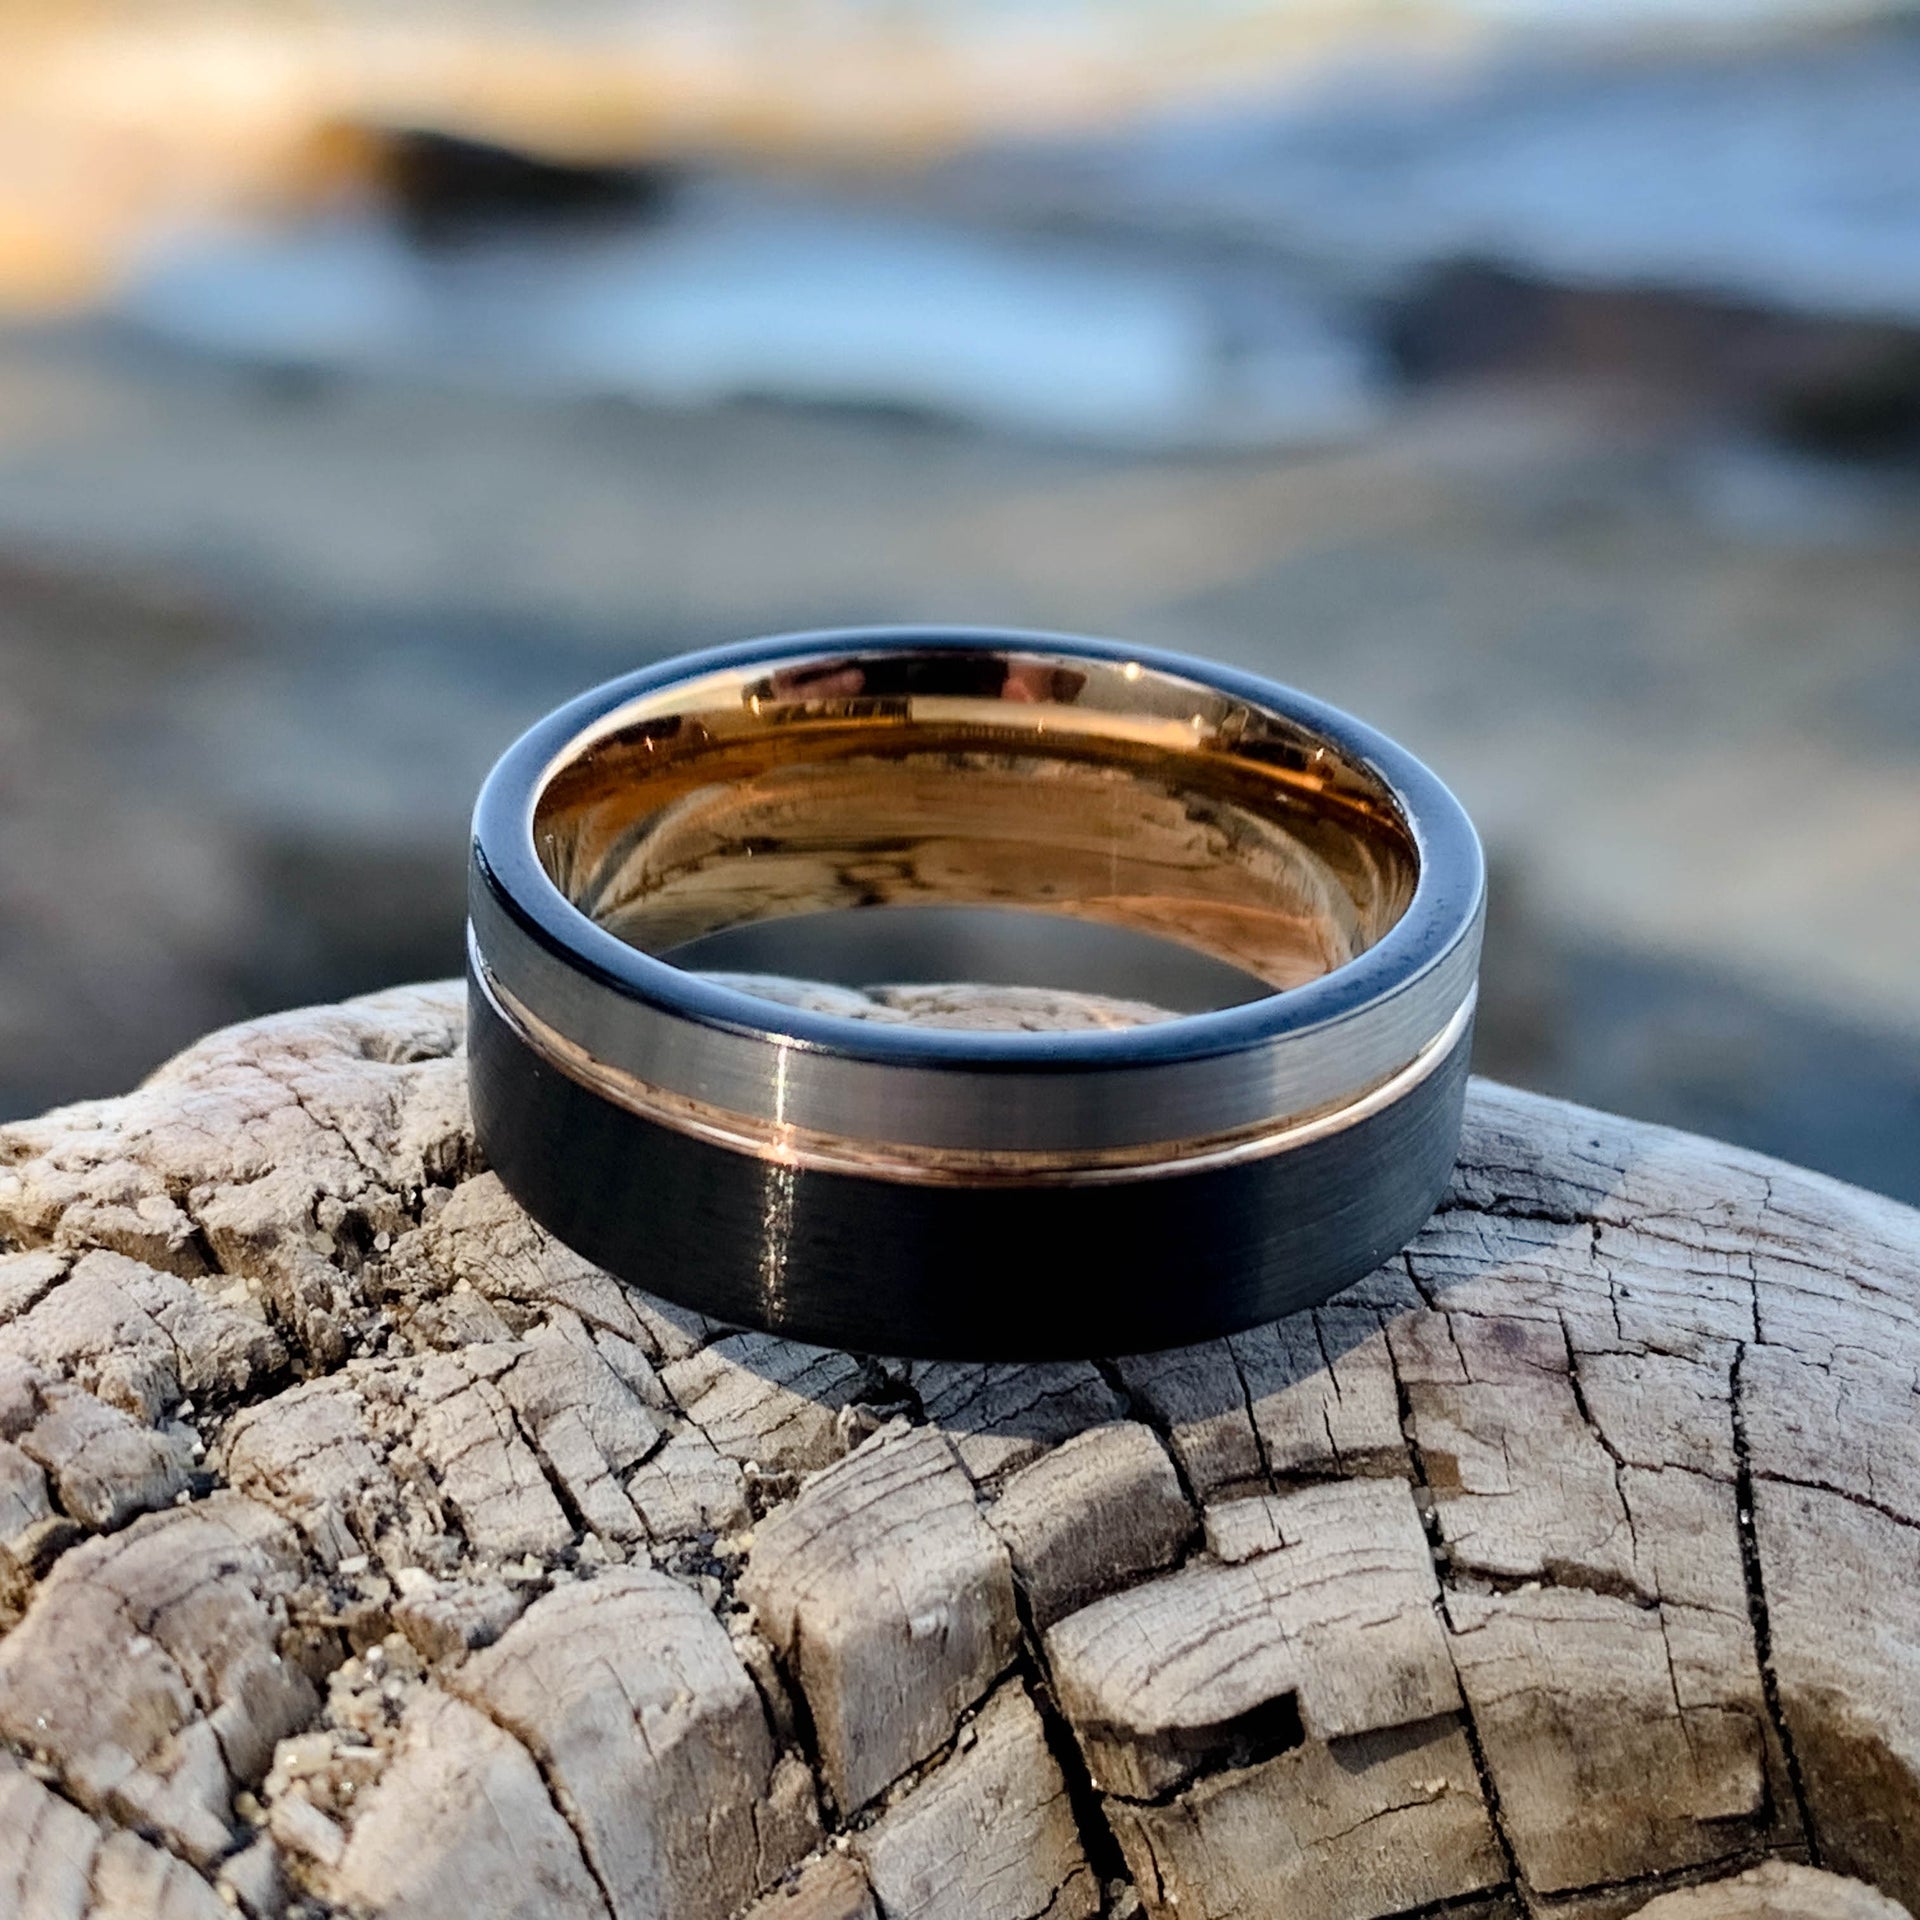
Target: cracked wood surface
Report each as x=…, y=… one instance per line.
x=364, y=1552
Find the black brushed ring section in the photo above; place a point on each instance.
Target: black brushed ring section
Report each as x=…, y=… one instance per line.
x=1003, y=1272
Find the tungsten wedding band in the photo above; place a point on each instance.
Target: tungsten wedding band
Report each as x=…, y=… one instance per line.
x=936, y=1191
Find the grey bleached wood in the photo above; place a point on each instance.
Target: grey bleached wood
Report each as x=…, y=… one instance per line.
x=1775, y=1890
x=363, y=1552
x=891, y=1600
x=1096, y=1513
x=459, y=1787
x=989, y=1835
x=1333, y=1632
x=831, y=1887
x=639, y=1713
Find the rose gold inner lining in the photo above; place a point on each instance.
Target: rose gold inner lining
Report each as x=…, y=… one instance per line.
x=1099, y=790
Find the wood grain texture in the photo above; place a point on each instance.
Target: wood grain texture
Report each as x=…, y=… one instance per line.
x=365, y=1552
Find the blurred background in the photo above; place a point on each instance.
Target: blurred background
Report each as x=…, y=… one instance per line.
x=1538, y=378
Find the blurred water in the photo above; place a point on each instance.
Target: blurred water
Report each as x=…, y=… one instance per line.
x=748, y=293
x=1614, y=14
x=1207, y=279
x=1787, y=175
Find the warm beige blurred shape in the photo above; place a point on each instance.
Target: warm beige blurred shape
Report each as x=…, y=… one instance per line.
x=115, y=119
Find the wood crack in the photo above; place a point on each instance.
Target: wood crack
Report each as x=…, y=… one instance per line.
x=557, y=1799
x=1743, y=1493
x=1430, y=1528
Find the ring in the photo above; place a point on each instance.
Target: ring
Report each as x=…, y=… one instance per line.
x=941, y=1191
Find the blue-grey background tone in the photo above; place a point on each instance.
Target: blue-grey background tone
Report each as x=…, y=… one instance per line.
x=1540, y=381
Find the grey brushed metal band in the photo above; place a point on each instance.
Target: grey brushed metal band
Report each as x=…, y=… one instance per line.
x=779, y=1080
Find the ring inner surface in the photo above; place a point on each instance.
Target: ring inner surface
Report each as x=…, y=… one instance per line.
x=1106, y=791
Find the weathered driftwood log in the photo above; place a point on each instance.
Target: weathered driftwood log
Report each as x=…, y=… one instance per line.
x=364, y=1551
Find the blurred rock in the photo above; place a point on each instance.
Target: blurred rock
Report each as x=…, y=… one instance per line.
x=449, y=186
